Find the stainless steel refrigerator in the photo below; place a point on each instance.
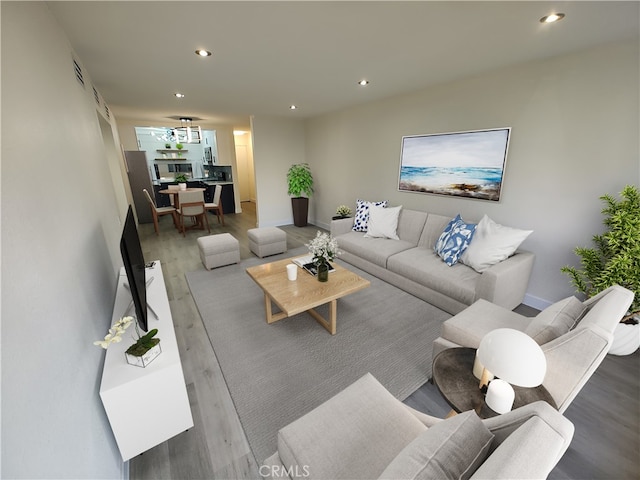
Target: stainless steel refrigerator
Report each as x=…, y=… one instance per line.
x=139, y=178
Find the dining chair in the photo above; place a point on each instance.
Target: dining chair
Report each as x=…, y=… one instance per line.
x=216, y=205
x=159, y=211
x=192, y=205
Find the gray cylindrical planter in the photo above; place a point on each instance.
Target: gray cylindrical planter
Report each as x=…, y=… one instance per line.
x=300, y=206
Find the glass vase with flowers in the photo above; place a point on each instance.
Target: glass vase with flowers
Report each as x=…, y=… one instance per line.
x=324, y=249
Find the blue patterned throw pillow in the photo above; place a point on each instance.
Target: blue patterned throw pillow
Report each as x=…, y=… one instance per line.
x=454, y=240
x=361, y=219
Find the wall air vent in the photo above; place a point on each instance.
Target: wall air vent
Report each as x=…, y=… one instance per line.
x=78, y=71
x=96, y=96
x=107, y=113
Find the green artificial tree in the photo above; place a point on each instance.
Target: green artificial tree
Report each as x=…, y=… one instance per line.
x=299, y=181
x=616, y=256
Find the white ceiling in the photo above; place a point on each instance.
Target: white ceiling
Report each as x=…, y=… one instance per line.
x=269, y=55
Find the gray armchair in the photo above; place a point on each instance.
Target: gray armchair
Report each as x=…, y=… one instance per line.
x=365, y=433
x=575, y=336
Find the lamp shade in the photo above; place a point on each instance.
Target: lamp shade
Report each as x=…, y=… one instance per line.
x=513, y=356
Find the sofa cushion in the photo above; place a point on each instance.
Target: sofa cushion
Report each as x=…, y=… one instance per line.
x=353, y=435
x=492, y=243
x=383, y=222
x=451, y=449
x=555, y=320
x=423, y=266
x=454, y=240
x=468, y=327
x=361, y=218
x=411, y=225
x=432, y=230
x=374, y=250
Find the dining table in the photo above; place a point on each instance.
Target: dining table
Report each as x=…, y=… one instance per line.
x=174, y=193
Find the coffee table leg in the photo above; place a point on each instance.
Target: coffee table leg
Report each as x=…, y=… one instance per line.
x=271, y=317
x=330, y=324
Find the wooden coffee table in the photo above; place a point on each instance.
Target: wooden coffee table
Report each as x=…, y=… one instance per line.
x=305, y=293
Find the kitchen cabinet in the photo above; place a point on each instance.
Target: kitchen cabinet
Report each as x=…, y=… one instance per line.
x=227, y=197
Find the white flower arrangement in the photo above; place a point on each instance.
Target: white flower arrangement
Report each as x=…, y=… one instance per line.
x=115, y=332
x=323, y=247
x=343, y=211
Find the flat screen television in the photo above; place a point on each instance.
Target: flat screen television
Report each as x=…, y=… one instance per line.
x=134, y=265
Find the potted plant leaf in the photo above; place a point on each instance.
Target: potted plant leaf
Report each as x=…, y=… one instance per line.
x=300, y=180
x=615, y=259
x=342, y=212
x=182, y=181
x=145, y=350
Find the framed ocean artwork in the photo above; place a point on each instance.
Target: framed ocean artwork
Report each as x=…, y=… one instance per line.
x=462, y=164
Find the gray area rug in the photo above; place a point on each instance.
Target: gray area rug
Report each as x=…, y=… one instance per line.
x=276, y=373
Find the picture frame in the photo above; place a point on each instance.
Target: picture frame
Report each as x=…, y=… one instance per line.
x=467, y=164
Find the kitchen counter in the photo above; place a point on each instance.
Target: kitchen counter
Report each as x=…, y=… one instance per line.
x=208, y=181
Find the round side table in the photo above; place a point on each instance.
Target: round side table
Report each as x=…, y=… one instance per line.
x=453, y=376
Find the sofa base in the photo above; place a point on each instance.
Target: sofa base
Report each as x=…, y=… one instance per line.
x=430, y=296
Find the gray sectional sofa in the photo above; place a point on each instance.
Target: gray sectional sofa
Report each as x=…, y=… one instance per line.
x=411, y=264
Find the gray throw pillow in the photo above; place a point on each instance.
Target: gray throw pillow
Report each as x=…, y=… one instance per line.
x=555, y=320
x=451, y=449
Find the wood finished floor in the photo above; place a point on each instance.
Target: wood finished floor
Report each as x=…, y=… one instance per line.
x=606, y=413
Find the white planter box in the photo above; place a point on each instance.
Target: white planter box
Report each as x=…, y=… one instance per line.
x=145, y=359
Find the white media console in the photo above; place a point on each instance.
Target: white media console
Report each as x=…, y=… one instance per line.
x=145, y=406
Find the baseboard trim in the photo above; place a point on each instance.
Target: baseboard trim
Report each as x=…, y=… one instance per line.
x=536, y=302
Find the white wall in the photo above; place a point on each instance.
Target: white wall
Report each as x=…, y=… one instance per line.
x=574, y=137
x=60, y=256
x=278, y=143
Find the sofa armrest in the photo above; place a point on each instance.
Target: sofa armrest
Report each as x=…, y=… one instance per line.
x=529, y=442
x=505, y=283
x=341, y=226
x=571, y=360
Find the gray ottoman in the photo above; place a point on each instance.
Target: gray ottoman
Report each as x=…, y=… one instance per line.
x=218, y=250
x=267, y=241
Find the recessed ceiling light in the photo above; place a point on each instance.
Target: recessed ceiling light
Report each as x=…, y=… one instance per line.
x=203, y=53
x=554, y=17
x=179, y=95
x=363, y=83
x=292, y=107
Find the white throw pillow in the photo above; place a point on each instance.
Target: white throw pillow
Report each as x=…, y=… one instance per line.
x=491, y=244
x=555, y=320
x=383, y=222
x=361, y=219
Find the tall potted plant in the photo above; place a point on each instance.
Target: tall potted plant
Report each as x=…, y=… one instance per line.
x=300, y=181
x=615, y=260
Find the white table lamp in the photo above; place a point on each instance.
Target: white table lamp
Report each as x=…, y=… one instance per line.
x=515, y=358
